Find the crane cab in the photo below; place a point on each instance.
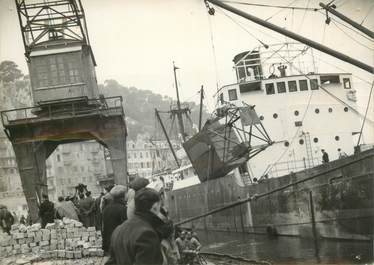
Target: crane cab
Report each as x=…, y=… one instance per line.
x=62, y=69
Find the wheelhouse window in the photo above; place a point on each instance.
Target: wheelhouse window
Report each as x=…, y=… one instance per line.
x=313, y=84
x=269, y=88
x=303, y=85
x=330, y=79
x=281, y=87
x=347, y=83
x=233, y=94
x=292, y=86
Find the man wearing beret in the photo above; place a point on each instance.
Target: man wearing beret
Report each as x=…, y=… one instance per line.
x=138, y=240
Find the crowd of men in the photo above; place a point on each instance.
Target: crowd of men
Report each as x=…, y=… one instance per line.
x=135, y=225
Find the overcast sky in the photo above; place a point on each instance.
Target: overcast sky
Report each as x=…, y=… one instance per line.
x=135, y=41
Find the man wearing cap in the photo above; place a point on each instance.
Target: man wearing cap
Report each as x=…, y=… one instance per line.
x=138, y=240
x=114, y=214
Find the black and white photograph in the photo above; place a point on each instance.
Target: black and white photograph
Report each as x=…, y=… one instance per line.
x=186, y=132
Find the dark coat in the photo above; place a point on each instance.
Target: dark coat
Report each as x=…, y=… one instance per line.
x=86, y=210
x=113, y=215
x=47, y=212
x=136, y=241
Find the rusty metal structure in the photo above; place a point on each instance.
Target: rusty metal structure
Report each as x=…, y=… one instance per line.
x=67, y=104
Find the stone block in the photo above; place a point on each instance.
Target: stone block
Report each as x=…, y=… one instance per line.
x=32, y=244
x=92, y=239
x=46, y=237
x=35, y=249
x=85, y=252
x=22, y=241
x=92, y=233
x=61, y=254
x=37, y=238
x=77, y=254
x=70, y=254
x=44, y=243
x=91, y=228
x=17, y=246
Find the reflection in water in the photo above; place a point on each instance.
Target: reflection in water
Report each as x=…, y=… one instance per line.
x=287, y=249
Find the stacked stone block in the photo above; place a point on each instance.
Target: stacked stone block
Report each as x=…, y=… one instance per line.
x=66, y=239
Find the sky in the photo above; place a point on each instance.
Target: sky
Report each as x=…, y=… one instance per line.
x=136, y=41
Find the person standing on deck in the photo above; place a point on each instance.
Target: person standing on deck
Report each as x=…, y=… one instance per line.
x=325, y=157
x=341, y=153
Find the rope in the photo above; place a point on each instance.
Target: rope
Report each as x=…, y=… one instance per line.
x=371, y=8
x=349, y=36
x=275, y=6
x=276, y=13
x=302, y=21
x=242, y=27
x=238, y=258
x=213, y=50
x=366, y=112
x=266, y=194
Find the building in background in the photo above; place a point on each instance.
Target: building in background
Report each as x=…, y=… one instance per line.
x=75, y=163
x=146, y=158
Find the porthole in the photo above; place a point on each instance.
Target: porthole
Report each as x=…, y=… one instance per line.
x=301, y=141
x=296, y=113
x=261, y=117
x=337, y=138
x=330, y=110
x=315, y=140
x=275, y=115
x=286, y=144
x=346, y=109
x=316, y=111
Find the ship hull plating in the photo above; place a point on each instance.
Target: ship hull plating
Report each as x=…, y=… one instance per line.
x=341, y=194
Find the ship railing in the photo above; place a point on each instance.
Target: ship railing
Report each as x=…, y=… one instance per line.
x=286, y=167
x=102, y=106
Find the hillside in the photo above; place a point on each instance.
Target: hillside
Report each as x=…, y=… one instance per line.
x=139, y=104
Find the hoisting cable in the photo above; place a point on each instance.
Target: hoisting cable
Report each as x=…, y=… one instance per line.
x=211, y=12
x=366, y=112
x=268, y=193
x=275, y=6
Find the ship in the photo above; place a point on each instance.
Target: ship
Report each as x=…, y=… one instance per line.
x=286, y=189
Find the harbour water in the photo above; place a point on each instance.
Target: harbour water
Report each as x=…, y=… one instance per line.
x=288, y=250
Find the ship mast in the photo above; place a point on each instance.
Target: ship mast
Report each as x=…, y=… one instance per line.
x=179, y=111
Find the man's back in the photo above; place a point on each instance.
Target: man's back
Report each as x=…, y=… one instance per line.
x=136, y=242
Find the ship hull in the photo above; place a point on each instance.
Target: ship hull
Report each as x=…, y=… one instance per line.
x=334, y=200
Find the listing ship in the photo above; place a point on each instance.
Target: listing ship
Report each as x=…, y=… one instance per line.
x=285, y=189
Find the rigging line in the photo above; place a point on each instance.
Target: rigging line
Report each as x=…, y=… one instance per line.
x=344, y=70
x=346, y=26
x=302, y=21
x=275, y=6
x=326, y=91
x=242, y=27
x=366, y=112
x=253, y=28
x=213, y=49
x=370, y=9
x=349, y=36
x=323, y=41
x=276, y=13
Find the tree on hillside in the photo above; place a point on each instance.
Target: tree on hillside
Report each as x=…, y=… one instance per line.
x=9, y=71
x=140, y=107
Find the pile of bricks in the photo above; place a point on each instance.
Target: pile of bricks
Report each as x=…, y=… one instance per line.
x=66, y=239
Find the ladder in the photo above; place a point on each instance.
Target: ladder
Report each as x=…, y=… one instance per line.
x=309, y=150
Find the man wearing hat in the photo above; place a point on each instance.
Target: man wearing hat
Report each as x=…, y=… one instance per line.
x=114, y=214
x=138, y=240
